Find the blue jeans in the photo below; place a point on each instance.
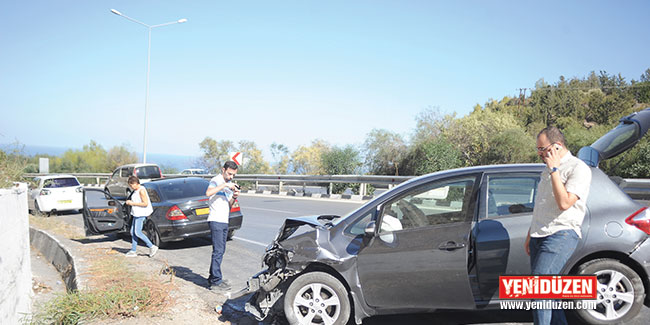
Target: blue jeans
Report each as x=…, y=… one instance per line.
x=136, y=232
x=219, y=234
x=548, y=255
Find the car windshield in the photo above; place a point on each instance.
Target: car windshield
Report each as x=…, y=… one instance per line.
x=174, y=190
x=147, y=172
x=60, y=182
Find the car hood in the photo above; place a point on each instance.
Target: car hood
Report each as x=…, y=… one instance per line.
x=623, y=137
x=292, y=224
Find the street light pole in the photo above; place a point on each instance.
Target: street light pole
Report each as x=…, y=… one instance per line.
x=146, y=102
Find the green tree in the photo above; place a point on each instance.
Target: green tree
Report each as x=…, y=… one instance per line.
x=384, y=151
x=474, y=135
x=12, y=165
x=430, y=123
x=341, y=161
x=430, y=156
x=120, y=155
x=215, y=154
x=511, y=146
x=281, y=158
x=306, y=160
x=254, y=162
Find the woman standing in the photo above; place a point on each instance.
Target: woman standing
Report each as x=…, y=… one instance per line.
x=141, y=209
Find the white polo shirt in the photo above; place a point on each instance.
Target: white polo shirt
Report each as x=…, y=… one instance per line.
x=220, y=201
x=547, y=216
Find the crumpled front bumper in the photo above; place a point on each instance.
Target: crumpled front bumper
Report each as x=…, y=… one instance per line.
x=266, y=292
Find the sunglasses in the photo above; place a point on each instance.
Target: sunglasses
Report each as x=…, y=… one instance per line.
x=540, y=149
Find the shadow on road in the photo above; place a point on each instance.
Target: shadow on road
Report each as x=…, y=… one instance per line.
x=188, y=275
x=188, y=243
x=96, y=239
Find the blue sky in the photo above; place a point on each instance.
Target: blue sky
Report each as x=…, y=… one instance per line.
x=289, y=71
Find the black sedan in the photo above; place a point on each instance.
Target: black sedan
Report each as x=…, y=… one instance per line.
x=180, y=210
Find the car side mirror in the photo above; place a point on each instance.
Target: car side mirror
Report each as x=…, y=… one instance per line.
x=111, y=203
x=369, y=231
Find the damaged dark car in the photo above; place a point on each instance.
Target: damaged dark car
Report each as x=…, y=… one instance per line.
x=441, y=241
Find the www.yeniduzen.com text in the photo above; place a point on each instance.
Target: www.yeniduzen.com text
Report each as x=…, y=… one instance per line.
x=548, y=304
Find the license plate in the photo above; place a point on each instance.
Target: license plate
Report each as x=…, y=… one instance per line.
x=64, y=201
x=200, y=212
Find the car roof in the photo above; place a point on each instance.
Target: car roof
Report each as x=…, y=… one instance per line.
x=510, y=168
x=56, y=176
x=137, y=165
x=175, y=180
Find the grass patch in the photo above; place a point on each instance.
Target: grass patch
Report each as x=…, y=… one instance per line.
x=56, y=226
x=118, y=291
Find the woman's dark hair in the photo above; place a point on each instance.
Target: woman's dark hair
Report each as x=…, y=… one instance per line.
x=133, y=180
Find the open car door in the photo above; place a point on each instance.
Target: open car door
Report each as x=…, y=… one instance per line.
x=102, y=213
x=624, y=136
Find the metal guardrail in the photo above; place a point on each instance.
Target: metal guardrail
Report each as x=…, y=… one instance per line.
x=637, y=188
x=277, y=180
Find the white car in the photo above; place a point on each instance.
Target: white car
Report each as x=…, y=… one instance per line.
x=53, y=193
x=194, y=171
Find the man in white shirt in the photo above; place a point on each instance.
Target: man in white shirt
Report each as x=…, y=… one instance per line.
x=560, y=206
x=221, y=193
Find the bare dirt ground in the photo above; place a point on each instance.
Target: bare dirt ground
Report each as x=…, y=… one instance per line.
x=180, y=301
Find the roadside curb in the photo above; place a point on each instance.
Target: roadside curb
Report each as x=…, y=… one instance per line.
x=59, y=255
x=359, y=198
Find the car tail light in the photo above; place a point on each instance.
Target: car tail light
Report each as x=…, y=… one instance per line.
x=174, y=213
x=79, y=189
x=235, y=206
x=640, y=219
x=45, y=192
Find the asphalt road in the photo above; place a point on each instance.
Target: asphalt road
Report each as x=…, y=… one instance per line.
x=263, y=216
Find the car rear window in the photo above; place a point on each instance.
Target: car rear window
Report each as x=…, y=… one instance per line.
x=60, y=182
x=173, y=190
x=147, y=172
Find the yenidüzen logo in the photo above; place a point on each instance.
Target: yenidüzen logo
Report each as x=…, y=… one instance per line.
x=547, y=287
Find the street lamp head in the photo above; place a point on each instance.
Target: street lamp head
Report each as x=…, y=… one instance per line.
x=116, y=12
x=183, y=20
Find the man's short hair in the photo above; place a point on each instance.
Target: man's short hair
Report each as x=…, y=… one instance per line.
x=230, y=164
x=553, y=134
x=133, y=180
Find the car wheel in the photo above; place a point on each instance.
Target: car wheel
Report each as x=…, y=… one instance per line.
x=37, y=210
x=153, y=235
x=620, y=292
x=231, y=233
x=317, y=298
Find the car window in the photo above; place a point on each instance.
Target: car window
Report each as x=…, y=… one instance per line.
x=507, y=195
x=622, y=137
x=173, y=190
x=436, y=203
x=147, y=172
x=153, y=195
x=115, y=173
x=125, y=172
x=359, y=226
x=60, y=182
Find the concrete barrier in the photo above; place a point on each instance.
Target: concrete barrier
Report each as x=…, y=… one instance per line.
x=15, y=261
x=57, y=254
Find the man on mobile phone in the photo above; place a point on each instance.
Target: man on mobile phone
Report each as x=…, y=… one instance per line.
x=560, y=206
x=221, y=192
